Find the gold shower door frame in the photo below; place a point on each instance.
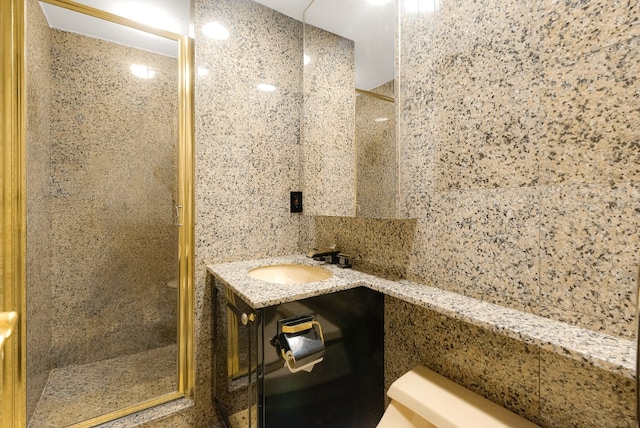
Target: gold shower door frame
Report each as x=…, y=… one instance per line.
x=13, y=218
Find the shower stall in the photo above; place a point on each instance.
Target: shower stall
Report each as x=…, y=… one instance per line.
x=108, y=208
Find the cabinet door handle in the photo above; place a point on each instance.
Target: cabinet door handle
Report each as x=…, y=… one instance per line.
x=178, y=208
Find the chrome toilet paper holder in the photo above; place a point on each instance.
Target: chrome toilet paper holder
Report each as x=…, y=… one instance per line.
x=300, y=342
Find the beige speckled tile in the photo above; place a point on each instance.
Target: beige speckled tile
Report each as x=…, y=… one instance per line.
x=589, y=134
x=589, y=246
x=76, y=393
x=103, y=121
x=247, y=141
x=59, y=405
x=570, y=28
x=417, y=163
x=378, y=245
x=465, y=45
x=487, y=138
x=501, y=369
x=575, y=395
x=488, y=239
x=175, y=414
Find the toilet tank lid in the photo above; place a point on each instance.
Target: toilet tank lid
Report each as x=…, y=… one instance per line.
x=446, y=404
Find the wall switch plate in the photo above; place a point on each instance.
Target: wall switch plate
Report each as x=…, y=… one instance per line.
x=296, y=202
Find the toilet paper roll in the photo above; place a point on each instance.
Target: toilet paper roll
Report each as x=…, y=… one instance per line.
x=290, y=364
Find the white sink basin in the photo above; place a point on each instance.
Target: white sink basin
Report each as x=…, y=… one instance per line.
x=289, y=274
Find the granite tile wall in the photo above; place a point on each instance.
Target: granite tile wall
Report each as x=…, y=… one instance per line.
x=573, y=394
x=39, y=89
x=520, y=162
x=504, y=370
x=328, y=138
x=379, y=246
x=247, y=141
x=247, y=156
x=111, y=200
x=526, y=108
x=544, y=387
x=376, y=175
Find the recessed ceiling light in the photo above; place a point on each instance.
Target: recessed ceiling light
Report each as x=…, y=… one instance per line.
x=307, y=59
x=381, y=119
x=142, y=71
x=215, y=30
x=202, y=71
x=265, y=87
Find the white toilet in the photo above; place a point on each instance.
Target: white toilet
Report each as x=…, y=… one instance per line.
x=422, y=398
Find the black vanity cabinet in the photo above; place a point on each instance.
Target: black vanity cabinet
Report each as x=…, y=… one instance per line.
x=251, y=382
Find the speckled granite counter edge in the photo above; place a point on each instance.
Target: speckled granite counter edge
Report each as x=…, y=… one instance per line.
x=606, y=352
x=152, y=414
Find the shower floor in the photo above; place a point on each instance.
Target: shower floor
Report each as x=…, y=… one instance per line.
x=77, y=393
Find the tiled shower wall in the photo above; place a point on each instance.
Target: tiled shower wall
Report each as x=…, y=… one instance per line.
x=520, y=161
x=39, y=87
x=92, y=128
x=112, y=197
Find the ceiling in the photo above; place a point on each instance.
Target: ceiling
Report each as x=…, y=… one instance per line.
x=170, y=15
x=178, y=10
x=370, y=27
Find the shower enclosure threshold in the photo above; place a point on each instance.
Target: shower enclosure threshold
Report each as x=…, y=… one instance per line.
x=76, y=393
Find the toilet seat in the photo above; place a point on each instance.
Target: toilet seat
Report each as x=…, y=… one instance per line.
x=399, y=416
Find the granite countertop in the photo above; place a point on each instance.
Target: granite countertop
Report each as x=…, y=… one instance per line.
x=607, y=352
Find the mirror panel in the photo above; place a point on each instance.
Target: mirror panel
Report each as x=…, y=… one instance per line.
x=349, y=142
x=328, y=131
x=376, y=184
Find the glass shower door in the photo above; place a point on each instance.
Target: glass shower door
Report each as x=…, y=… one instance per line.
x=12, y=215
x=107, y=268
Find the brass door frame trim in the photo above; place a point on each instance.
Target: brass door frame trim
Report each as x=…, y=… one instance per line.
x=186, y=232
x=109, y=417
x=13, y=220
x=106, y=16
